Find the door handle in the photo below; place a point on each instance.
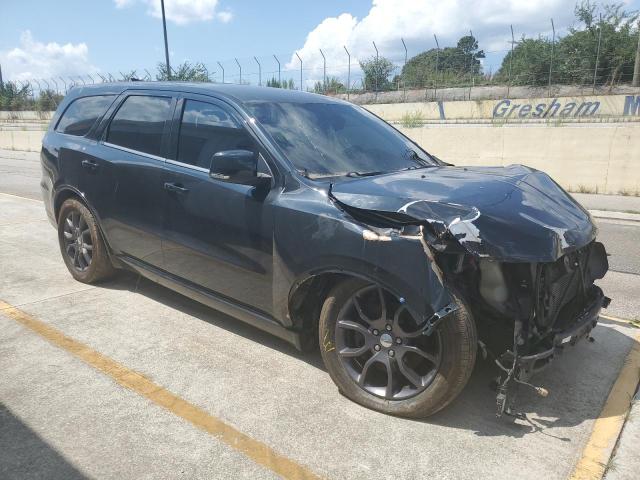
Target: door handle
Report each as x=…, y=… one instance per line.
x=89, y=164
x=174, y=187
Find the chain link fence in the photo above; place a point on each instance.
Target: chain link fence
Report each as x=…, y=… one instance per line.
x=541, y=66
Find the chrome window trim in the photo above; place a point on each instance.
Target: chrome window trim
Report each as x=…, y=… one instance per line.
x=187, y=165
x=135, y=152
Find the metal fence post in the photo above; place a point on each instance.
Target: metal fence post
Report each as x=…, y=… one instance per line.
x=635, y=82
x=513, y=41
x=240, y=68
x=553, y=42
x=259, y=71
x=404, y=84
x=221, y=68
x=471, y=69
x=39, y=87
x=435, y=89
x=324, y=72
x=65, y=85
x=348, y=70
x=279, y=79
x=595, y=71
x=1, y=82
x=377, y=66
x=300, y=70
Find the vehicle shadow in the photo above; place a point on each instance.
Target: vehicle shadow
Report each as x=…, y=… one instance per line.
x=578, y=381
x=24, y=454
x=135, y=283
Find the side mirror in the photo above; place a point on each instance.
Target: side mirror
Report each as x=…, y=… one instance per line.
x=235, y=166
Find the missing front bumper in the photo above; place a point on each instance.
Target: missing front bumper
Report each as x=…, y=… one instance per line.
x=524, y=367
x=528, y=365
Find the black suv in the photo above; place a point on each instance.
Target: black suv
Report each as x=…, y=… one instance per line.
x=318, y=222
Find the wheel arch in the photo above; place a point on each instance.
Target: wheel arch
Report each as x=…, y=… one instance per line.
x=308, y=293
x=65, y=193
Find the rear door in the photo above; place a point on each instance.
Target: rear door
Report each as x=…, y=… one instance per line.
x=78, y=151
x=134, y=146
x=218, y=235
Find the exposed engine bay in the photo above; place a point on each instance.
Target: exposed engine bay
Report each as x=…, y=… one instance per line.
x=527, y=313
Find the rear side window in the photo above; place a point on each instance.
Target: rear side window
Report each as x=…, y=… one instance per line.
x=139, y=123
x=207, y=129
x=80, y=116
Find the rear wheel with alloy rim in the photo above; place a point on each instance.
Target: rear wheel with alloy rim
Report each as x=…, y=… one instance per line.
x=377, y=354
x=81, y=244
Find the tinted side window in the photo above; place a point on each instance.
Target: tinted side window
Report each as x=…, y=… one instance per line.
x=82, y=113
x=139, y=122
x=207, y=129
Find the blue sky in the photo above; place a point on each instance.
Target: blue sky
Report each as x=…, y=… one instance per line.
x=72, y=37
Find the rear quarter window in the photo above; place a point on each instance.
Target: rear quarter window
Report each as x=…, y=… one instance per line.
x=82, y=114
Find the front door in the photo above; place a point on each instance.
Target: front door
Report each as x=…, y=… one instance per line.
x=218, y=235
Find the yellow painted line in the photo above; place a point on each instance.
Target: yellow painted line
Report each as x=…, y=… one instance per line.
x=622, y=321
x=607, y=427
x=255, y=450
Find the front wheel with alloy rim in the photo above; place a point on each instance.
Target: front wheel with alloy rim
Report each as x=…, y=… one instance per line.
x=81, y=244
x=377, y=354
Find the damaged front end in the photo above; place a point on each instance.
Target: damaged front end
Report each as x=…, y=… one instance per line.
x=523, y=258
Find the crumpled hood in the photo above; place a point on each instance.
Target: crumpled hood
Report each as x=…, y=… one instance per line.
x=512, y=213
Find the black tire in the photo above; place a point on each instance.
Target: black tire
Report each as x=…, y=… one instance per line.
x=457, y=347
x=84, y=253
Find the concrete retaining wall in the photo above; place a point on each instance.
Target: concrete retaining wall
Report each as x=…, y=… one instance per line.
x=596, y=157
x=510, y=109
x=27, y=140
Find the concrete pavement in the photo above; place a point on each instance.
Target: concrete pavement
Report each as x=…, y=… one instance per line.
x=77, y=422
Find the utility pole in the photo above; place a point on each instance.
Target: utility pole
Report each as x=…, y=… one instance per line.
x=636, y=69
x=166, y=43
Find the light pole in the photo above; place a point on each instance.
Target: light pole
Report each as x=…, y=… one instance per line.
x=166, y=43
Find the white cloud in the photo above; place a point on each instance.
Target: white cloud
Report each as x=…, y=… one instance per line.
x=225, y=16
x=182, y=12
x=34, y=59
x=417, y=21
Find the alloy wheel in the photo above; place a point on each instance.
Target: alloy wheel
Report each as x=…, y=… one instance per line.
x=78, y=244
x=383, y=348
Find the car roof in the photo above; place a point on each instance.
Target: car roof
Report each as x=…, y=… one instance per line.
x=238, y=93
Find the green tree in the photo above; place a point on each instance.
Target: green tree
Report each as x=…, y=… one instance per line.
x=48, y=100
x=331, y=86
x=14, y=97
x=376, y=73
x=288, y=84
x=574, y=57
x=185, y=72
x=578, y=49
x=456, y=65
x=529, y=63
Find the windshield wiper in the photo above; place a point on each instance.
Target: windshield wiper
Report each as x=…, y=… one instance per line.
x=418, y=167
x=364, y=174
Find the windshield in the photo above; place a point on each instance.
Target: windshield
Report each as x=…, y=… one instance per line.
x=335, y=139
